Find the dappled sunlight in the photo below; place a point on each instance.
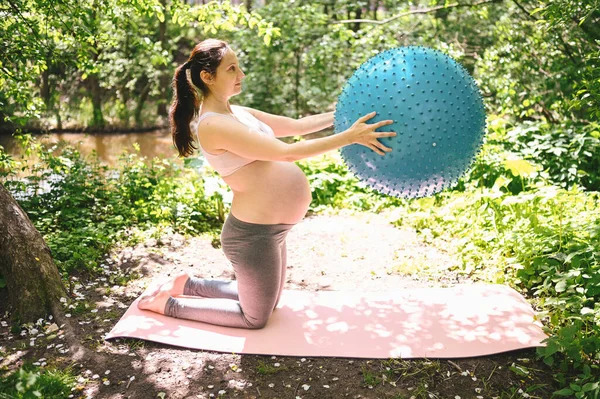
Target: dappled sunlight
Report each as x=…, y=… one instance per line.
x=462, y=321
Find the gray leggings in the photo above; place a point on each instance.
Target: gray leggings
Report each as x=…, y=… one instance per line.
x=258, y=255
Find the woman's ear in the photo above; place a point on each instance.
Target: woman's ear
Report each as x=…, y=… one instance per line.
x=206, y=77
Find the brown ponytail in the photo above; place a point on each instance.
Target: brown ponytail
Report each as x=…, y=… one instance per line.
x=206, y=56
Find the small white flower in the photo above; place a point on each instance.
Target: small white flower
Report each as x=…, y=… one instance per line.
x=326, y=386
x=464, y=373
x=306, y=387
x=334, y=379
x=273, y=357
x=222, y=392
x=63, y=299
x=107, y=372
x=95, y=376
x=107, y=382
x=211, y=367
x=457, y=397
x=303, y=360
x=68, y=315
x=210, y=386
x=271, y=385
x=94, y=310
x=276, y=364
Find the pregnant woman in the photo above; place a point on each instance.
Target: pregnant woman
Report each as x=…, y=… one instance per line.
x=270, y=192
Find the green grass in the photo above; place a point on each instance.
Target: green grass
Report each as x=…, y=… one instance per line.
x=263, y=368
x=31, y=382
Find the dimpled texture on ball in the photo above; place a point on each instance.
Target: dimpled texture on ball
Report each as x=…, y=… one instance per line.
x=438, y=116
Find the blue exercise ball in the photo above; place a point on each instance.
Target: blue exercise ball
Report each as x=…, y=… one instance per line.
x=438, y=116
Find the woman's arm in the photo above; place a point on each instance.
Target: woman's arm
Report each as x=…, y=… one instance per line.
x=283, y=126
x=230, y=135
x=314, y=123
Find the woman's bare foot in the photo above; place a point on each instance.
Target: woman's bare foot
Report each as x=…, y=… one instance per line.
x=178, y=283
x=157, y=300
x=155, y=303
x=153, y=292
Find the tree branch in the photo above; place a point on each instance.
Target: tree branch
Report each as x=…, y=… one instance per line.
x=421, y=11
x=529, y=15
x=25, y=20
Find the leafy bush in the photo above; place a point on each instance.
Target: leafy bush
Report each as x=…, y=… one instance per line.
x=30, y=382
x=569, y=153
x=82, y=208
x=334, y=186
x=545, y=240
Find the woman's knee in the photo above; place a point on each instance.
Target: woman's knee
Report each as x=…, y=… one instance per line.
x=256, y=323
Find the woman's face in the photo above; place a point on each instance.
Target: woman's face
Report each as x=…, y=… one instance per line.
x=227, y=81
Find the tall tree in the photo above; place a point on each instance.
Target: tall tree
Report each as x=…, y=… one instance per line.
x=34, y=284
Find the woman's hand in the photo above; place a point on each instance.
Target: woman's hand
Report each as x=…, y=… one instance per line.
x=362, y=133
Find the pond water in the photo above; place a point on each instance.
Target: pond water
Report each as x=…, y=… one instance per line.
x=108, y=146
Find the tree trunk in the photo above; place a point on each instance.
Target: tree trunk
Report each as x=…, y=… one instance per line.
x=33, y=282
x=161, y=109
x=248, y=5
x=45, y=89
x=356, y=25
x=140, y=105
x=96, y=93
x=93, y=80
x=297, y=83
x=58, y=118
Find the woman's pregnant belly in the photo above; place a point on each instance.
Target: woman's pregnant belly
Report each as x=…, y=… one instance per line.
x=269, y=193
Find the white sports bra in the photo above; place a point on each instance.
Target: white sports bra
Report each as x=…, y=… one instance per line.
x=227, y=163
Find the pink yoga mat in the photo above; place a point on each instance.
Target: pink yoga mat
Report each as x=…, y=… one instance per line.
x=461, y=321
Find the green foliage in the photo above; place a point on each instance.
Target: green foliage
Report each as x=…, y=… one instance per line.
x=30, y=382
x=333, y=185
x=545, y=240
x=287, y=76
x=569, y=153
x=116, y=55
x=544, y=61
x=82, y=209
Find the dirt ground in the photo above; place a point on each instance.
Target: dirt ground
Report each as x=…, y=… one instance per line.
x=325, y=252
